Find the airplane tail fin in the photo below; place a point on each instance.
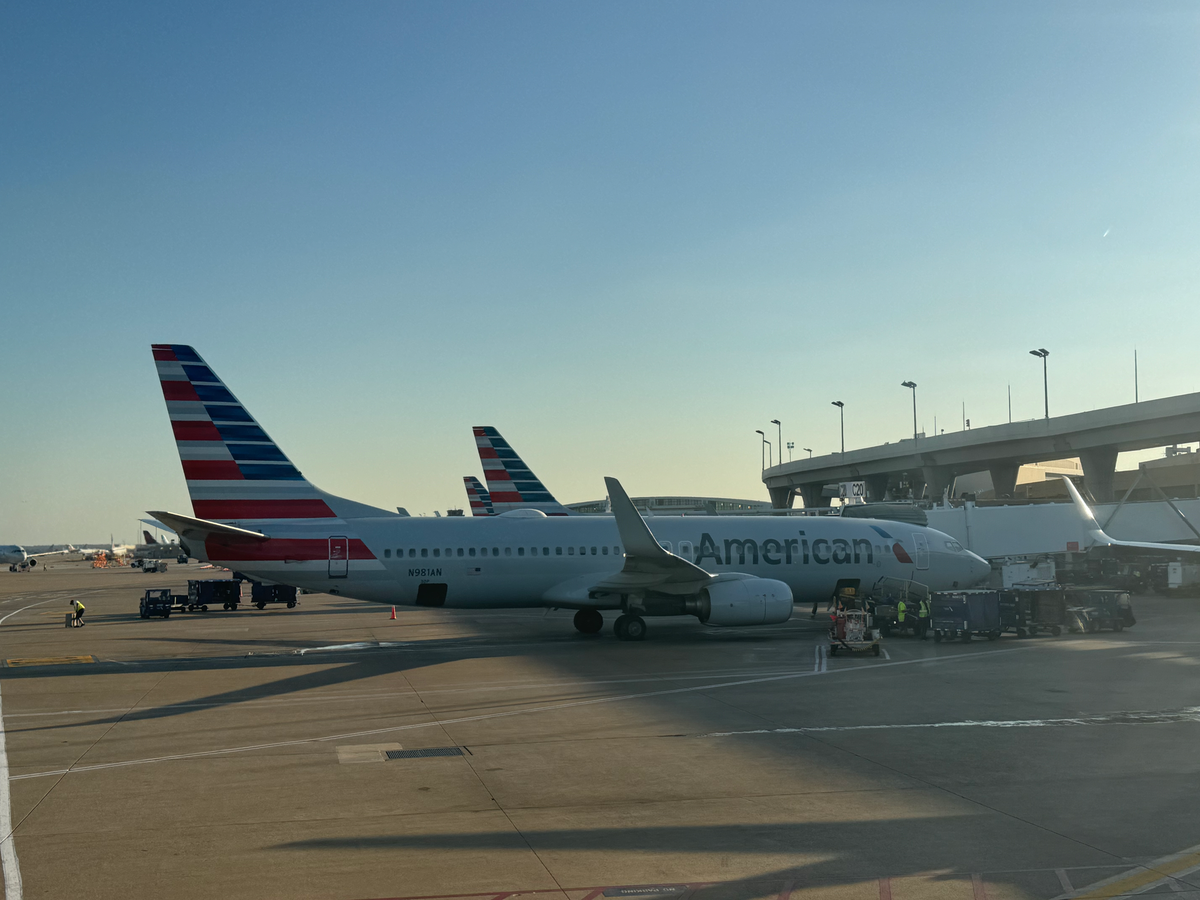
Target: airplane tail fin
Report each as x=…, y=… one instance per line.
x=512, y=484
x=477, y=494
x=234, y=471
x=148, y=538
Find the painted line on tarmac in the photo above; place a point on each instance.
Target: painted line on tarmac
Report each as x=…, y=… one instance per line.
x=1150, y=717
x=1160, y=872
x=8, y=849
x=483, y=717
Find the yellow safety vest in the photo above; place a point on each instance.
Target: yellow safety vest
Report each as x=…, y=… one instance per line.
x=79, y=607
x=901, y=609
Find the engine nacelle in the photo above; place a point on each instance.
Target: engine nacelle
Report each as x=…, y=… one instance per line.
x=747, y=601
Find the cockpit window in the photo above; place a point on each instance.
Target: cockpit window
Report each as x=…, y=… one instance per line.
x=954, y=546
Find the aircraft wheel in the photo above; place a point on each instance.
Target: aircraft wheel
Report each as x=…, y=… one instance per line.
x=619, y=627
x=588, y=621
x=261, y=605
x=291, y=604
x=635, y=629
x=1055, y=630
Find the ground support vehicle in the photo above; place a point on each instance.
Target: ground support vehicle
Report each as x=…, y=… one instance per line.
x=962, y=614
x=153, y=565
x=226, y=591
x=262, y=594
x=157, y=602
x=883, y=601
x=1099, y=609
x=851, y=630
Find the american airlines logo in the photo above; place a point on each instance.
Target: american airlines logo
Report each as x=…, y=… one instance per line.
x=822, y=551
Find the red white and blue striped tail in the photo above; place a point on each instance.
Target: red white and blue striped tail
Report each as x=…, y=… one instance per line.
x=234, y=471
x=478, y=496
x=511, y=483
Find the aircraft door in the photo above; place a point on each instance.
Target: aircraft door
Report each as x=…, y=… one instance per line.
x=339, y=556
x=922, y=545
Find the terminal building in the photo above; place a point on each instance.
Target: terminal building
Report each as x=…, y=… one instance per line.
x=927, y=467
x=676, y=506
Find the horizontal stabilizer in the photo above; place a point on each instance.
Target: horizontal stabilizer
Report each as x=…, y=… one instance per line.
x=200, y=529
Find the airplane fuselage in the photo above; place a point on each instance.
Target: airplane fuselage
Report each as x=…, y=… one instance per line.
x=509, y=561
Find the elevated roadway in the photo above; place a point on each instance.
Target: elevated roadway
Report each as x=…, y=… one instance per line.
x=932, y=463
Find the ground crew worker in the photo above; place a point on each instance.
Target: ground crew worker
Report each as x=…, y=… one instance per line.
x=828, y=604
x=901, y=612
x=79, y=608
x=923, y=619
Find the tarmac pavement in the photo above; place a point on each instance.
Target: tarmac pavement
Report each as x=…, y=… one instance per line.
x=246, y=755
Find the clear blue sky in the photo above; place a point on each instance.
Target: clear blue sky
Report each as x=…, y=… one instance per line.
x=626, y=234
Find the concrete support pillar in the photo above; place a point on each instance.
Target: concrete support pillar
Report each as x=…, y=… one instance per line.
x=1098, y=467
x=811, y=493
x=1004, y=479
x=877, y=486
x=937, y=479
x=782, y=497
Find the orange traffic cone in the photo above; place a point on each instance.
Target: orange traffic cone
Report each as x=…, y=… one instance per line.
x=393, y=612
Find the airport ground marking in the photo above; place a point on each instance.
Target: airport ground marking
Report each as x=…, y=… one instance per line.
x=1166, y=870
x=553, y=707
x=47, y=661
x=8, y=849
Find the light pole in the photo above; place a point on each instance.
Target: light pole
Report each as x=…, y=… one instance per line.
x=809, y=449
x=1043, y=353
x=912, y=386
x=842, y=416
x=791, y=447
x=779, y=428
x=763, y=448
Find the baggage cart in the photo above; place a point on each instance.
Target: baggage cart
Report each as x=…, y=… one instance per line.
x=1100, y=609
x=851, y=630
x=226, y=591
x=963, y=614
x=156, y=602
x=262, y=594
x=1049, y=610
x=1016, y=612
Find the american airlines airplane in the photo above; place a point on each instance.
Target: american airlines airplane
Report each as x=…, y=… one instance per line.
x=511, y=482
x=254, y=512
x=478, y=497
x=15, y=556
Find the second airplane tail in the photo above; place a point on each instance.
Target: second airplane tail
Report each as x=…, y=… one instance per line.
x=512, y=484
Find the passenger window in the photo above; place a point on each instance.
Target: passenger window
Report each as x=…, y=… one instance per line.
x=558, y=551
x=412, y=551
x=520, y=551
x=593, y=551
x=508, y=551
x=604, y=550
x=387, y=554
x=437, y=552
x=460, y=552
x=685, y=549
x=495, y=551
x=545, y=551
x=570, y=551
x=666, y=545
x=424, y=552
x=471, y=551
x=583, y=551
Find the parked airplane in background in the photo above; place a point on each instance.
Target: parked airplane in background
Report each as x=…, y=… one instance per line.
x=478, y=497
x=15, y=557
x=112, y=551
x=511, y=483
x=254, y=512
x=1097, y=537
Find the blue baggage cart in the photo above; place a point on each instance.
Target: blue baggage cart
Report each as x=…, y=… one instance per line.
x=962, y=614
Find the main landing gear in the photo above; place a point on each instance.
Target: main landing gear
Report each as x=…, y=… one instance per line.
x=630, y=628
x=589, y=621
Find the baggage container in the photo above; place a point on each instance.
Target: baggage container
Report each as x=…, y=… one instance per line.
x=1099, y=609
x=1016, y=612
x=156, y=602
x=962, y=614
x=1049, y=610
x=262, y=594
x=226, y=591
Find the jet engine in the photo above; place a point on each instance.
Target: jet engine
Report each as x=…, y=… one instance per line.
x=747, y=601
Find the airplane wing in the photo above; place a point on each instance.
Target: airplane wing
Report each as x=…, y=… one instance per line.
x=1100, y=539
x=67, y=552
x=200, y=529
x=648, y=565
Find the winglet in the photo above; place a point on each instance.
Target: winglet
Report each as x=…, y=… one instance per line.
x=635, y=533
x=1090, y=525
